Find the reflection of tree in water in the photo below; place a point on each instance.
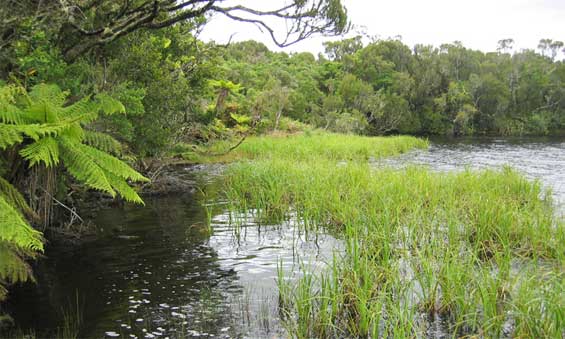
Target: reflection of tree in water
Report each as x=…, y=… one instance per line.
x=156, y=266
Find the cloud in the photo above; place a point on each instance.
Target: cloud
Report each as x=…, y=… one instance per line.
x=478, y=24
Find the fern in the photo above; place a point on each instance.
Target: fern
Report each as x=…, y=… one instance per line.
x=48, y=93
x=13, y=267
x=45, y=150
x=15, y=198
x=109, y=105
x=15, y=230
x=48, y=133
x=103, y=142
x=10, y=114
x=124, y=189
x=14, y=134
x=83, y=168
x=112, y=164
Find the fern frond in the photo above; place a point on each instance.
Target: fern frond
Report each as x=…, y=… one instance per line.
x=45, y=150
x=48, y=93
x=103, y=142
x=14, y=229
x=84, y=105
x=109, y=105
x=43, y=112
x=13, y=267
x=125, y=191
x=14, y=134
x=9, y=136
x=10, y=114
x=74, y=132
x=112, y=164
x=15, y=198
x=82, y=166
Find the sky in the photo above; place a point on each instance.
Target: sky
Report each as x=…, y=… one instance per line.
x=478, y=24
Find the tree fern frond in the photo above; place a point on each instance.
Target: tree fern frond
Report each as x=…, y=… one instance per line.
x=45, y=150
x=75, y=132
x=10, y=114
x=14, y=134
x=103, y=142
x=48, y=93
x=109, y=105
x=15, y=198
x=84, y=105
x=82, y=166
x=112, y=164
x=43, y=112
x=13, y=267
x=14, y=229
x=125, y=191
x=9, y=136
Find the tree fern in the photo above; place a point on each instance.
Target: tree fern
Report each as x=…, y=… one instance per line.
x=45, y=150
x=14, y=229
x=15, y=199
x=44, y=131
x=13, y=267
x=57, y=134
x=103, y=142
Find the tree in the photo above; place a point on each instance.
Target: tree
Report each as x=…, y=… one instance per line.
x=505, y=45
x=338, y=50
x=555, y=47
x=85, y=24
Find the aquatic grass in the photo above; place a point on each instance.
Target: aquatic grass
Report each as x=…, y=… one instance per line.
x=307, y=146
x=417, y=242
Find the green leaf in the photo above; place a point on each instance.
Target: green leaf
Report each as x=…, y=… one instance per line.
x=45, y=150
x=15, y=230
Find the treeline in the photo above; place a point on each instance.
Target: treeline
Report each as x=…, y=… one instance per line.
x=176, y=88
x=386, y=87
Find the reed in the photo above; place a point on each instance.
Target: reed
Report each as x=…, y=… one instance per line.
x=417, y=243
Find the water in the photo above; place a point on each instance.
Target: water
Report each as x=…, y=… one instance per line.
x=157, y=272
x=537, y=158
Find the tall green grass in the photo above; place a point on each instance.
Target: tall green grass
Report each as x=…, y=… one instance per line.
x=309, y=145
x=480, y=249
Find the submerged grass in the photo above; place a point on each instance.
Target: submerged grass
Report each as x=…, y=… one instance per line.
x=480, y=249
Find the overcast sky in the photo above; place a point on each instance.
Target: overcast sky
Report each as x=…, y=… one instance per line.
x=479, y=24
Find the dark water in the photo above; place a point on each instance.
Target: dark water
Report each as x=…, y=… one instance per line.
x=158, y=272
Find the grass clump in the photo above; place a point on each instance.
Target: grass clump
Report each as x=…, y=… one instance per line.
x=308, y=145
x=465, y=247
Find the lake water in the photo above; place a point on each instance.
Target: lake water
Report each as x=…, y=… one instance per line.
x=158, y=271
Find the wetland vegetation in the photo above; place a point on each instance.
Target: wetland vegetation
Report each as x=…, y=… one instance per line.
x=463, y=247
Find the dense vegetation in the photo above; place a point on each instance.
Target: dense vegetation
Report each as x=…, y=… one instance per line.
x=386, y=87
x=90, y=89
x=86, y=86
x=480, y=252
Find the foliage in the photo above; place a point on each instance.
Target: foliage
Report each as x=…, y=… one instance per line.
x=45, y=132
x=384, y=87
